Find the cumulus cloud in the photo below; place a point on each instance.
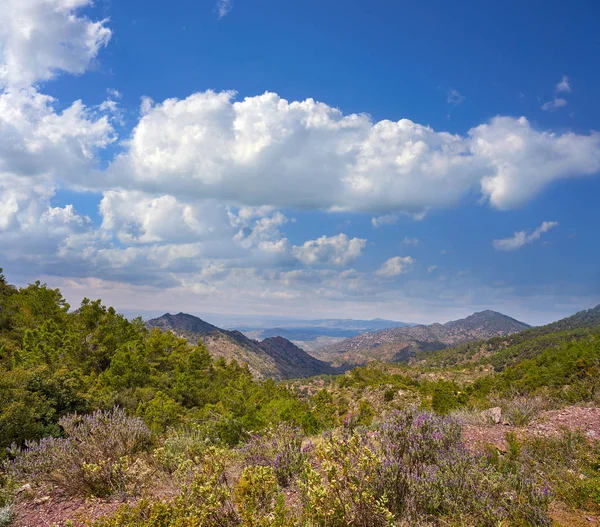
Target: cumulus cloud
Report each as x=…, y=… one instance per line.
x=521, y=238
x=40, y=38
x=136, y=218
x=39, y=141
x=334, y=250
x=563, y=85
x=266, y=151
x=554, y=104
x=395, y=266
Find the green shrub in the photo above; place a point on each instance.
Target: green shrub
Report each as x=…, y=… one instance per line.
x=339, y=485
x=260, y=504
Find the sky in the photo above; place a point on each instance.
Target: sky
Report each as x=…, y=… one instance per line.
x=414, y=161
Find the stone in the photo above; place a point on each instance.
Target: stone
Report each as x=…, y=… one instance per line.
x=492, y=415
x=24, y=488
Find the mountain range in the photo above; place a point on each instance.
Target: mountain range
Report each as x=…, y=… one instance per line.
x=274, y=357
x=279, y=358
x=398, y=344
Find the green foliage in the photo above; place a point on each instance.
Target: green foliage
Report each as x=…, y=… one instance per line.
x=258, y=498
x=339, y=486
x=445, y=396
x=54, y=362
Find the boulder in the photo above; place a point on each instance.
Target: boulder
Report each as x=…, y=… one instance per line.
x=492, y=415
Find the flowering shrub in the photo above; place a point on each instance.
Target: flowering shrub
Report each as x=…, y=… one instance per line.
x=94, y=457
x=179, y=446
x=259, y=501
x=414, y=468
x=340, y=484
x=279, y=448
x=204, y=502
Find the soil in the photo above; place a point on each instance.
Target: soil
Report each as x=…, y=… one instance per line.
x=548, y=423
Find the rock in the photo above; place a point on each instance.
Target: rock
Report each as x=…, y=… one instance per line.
x=24, y=488
x=493, y=415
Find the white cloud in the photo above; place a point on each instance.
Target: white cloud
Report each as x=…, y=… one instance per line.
x=554, y=104
x=386, y=219
x=521, y=238
x=563, y=85
x=523, y=161
x=39, y=38
x=135, y=218
x=266, y=151
x=454, y=97
x=38, y=141
x=432, y=268
x=395, y=266
x=334, y=250
x=224, y=7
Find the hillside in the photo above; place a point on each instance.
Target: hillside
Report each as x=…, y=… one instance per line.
x=397, y=344
x=502, y=351
x=275, y=358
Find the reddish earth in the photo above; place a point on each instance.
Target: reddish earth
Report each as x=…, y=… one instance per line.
x=548, y=423
x=46, y=511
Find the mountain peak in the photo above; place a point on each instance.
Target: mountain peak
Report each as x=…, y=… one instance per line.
x=181, y=322
x=398, y=343
x=276, y=357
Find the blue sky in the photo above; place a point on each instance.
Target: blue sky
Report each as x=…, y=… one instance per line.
x=403, y=160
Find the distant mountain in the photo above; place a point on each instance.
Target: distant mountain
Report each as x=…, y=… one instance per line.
x=312, y=335
x=277, y=358
x=397, y=344
x=504, y=351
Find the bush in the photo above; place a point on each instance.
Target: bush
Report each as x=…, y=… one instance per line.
x=521, y=410
x=415, y=469
x=94, y=457
x=204, y=502
x=6, y=515
x=279, y=448
x=181, y=445
x=340, y=486
x=260, y=504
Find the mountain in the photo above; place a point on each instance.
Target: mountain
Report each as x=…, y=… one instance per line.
x=508, y=350
x=277, y=357
x=312, y=335
x=398, y=344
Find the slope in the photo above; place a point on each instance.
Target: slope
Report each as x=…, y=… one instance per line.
x=398, y=344
x=275, y=358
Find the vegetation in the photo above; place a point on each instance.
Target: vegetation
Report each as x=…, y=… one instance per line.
x=92, y=404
